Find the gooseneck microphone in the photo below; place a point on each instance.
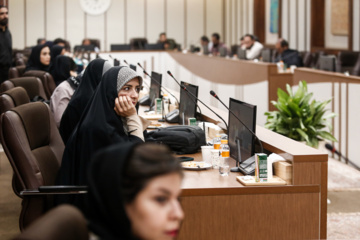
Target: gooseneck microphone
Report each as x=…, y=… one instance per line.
x=333, y=150
x=144, y=71
x=183, y=87
x=215, y=96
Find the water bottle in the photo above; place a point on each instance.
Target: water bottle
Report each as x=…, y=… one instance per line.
x=217, y=142
x=224, y=168
x=166, y=102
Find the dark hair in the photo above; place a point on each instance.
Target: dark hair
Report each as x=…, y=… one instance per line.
x=162, y=34
x=250, y=35
x=59, y=40
x=284, y=43
x=147, y=161
x=216, y=35
x=39, y=40
x=205, y=39
x=242, y=38
x=3, y=6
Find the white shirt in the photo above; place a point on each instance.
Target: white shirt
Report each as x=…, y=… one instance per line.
x=254, y=51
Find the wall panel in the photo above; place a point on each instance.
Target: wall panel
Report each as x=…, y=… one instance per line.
x=285, y=19
x=35, y=21
x=301, y=27
x=155, y=19
x=213, y=17
x=115, y=22
x=55, y=17
x=356, y=25
x=135, y=22
x=16, y=23
x=332, y=41
x=270, y=38
x=293, y=38
x=75, y=23
x=195, y=21
x=95, y=28
x=175, y=16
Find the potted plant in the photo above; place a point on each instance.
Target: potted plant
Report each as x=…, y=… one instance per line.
x=300, y=118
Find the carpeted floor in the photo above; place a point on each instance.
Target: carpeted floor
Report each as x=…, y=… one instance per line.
x=343, y=201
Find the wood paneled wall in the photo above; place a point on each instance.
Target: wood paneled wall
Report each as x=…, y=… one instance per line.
x=184, y=20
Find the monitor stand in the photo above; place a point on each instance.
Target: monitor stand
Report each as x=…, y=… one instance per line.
x=247, y=167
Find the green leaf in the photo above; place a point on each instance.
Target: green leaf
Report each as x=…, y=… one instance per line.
x=289, y=90
x=303, y=134
x=326, y=135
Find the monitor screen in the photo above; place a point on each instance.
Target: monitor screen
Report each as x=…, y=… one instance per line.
x=120, y=47
x=327, y=63
x=247, y=114
x=155, y=87
x=188, y=103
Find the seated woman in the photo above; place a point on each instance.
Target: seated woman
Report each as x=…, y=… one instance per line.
x=138, y=198
x=62, y=94
x=63, y=68
x=90, y=80
x=39, y=59
x=109, y=118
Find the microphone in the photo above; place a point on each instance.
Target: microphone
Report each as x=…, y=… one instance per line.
x=116, y=61
x=126, y=62
x=333, y=150
x=215, y=96
x=183, y=87
x=144, y=71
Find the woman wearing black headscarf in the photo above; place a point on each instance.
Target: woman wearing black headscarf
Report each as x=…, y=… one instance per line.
x=63, y=68
x=55, y=51
x=39, y=59
x=133, y=193
x=90, y=80
x=109, y=118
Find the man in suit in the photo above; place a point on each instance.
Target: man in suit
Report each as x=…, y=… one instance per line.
x=288, y=56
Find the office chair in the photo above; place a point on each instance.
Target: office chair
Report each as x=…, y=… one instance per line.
x=138, y=43
x=16, y=72
x=32, y=85
x=356, y=70
x=346, y=61
x=46, y=79
x=33, y=145
x=63, y=222
x=307, y=58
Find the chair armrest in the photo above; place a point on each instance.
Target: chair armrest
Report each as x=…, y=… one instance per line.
x=52, y=190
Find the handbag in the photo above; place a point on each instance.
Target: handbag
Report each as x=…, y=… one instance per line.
x=181, y=139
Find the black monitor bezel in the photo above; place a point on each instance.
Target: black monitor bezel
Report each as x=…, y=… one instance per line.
x=232, y=139
x=182, y=92
x=152, y=84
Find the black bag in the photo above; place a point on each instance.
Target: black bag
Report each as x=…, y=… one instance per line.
x=180, y=139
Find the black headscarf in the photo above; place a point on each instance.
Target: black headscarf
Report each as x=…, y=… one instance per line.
x=99, y=127
x=90, y=80
x=61, y=68
x=55, y=51
x=105, y=220
x=34, y=60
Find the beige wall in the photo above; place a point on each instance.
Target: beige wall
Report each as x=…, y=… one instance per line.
x=184, y=20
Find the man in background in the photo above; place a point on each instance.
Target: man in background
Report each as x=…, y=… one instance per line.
x=5, y=44
x=288, y=56
x=253, y=47
x=217, y=45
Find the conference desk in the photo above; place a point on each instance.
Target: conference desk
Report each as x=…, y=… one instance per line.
x=219, y=207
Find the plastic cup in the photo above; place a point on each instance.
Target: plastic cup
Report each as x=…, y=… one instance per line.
x=206, y=153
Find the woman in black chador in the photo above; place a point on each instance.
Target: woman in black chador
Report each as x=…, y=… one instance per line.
x=90, y=80
x=39, y=59
x=109, y=118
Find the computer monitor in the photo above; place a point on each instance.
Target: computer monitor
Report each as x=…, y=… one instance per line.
x=188, y=103
x=241, y=53
x=155, y=87
x=120, y=47
x=133, y=67
x=156, y=46
x=327, y=63
x=78, y=48
x=237, y=131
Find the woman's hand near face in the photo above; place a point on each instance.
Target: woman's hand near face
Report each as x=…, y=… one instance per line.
x=124, y=106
